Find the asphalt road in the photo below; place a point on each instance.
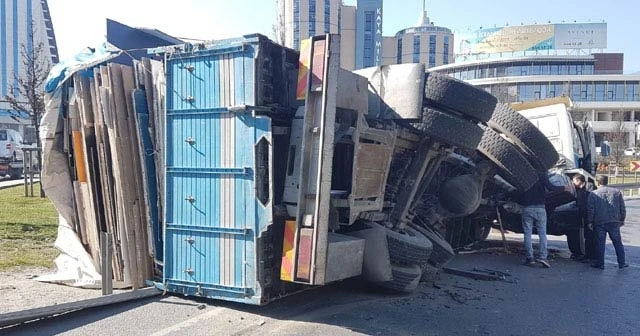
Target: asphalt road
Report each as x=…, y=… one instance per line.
x=568, y=299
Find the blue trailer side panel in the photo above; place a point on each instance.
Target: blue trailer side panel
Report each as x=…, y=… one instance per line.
x=213, y=217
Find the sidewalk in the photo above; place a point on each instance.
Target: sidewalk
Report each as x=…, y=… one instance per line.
x=12, y=183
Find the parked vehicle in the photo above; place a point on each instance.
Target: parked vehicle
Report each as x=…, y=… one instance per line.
x=11, y=154
x=630, y=152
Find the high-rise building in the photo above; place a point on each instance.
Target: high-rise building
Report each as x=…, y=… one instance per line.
x=19, y=19
x=305, y=18
x=425, y=43
x=360, y=28
x=368, y=44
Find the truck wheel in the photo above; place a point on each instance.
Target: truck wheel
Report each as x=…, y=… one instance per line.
x=405, y=278
x=409, y=247
x=537, y=148
x=429, y=273
x=575, y=241
x=442, y=251
x=452, y=95
x=514, y=168
x=449, y=129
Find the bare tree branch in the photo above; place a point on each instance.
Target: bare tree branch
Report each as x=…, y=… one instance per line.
x=26, y=96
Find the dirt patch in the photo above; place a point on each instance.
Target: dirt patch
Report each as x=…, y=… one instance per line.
x=19, y=290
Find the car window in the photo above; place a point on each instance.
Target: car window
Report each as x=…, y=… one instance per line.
x=3, y=135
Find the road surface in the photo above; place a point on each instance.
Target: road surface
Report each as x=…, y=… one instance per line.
x=568, y=299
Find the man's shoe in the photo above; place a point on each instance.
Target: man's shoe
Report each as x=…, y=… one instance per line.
x=623, y=266
x=528, y=262
x=544, y=263
x=597, y=266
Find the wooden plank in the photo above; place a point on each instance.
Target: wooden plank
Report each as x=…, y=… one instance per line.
x=81, y=222
x=13, y=318
x=472, y=275
x=141, y=222
x=124, y=197
x=106, y=154
x=105, y=167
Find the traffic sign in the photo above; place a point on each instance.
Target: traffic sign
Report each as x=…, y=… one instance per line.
x=634, y=166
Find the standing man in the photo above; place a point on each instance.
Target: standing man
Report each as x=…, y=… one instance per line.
x=607, y=212
x=534, y=211
x=582, y=195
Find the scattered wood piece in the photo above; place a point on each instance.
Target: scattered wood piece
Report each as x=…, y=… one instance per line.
x=472, y=275
x=461, y=287
x=490, y=271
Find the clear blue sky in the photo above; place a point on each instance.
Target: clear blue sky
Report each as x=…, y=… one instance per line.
x=78, y=23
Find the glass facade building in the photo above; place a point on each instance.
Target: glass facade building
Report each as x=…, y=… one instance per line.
x=603, y=97
x=429, y=44
x=20, y=19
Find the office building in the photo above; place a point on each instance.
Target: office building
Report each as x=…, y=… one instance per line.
x=425, y=43
x=19, y=19
x=531, y=62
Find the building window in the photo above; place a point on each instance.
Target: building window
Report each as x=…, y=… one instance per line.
x=296, y=24
x=399, y=51
x=327, y=16
x=600, y=91
x=445, y=51
x=632, y=92
x=432, y=51
x=369, y=30
x=416, y=48
x=312, y=18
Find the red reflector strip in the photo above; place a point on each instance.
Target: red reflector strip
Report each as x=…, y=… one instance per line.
x=288, y=252
x=305, y=244
x=303, y=69
x=318, y=65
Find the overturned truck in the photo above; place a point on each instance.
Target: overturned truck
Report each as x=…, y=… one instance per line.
x=281, y=171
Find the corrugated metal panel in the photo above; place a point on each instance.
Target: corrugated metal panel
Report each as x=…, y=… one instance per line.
x=212, y=213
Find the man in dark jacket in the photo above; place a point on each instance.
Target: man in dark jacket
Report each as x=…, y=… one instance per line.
x=534, y=211
x=582, y=195
x=607, y=212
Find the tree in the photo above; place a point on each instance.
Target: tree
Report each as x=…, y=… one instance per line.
x=279, y=26
x=27, y=98
x=617, y=138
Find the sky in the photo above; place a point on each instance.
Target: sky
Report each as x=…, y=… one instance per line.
x=81, y=23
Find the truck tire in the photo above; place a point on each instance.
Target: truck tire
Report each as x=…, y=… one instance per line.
x=405, y=278
x=409, y=247
x=442, y=252
x=449, y=129
x=452, y=95
x=537, y=148
x=514, y=167
x=575, y=241
x=430, y=273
